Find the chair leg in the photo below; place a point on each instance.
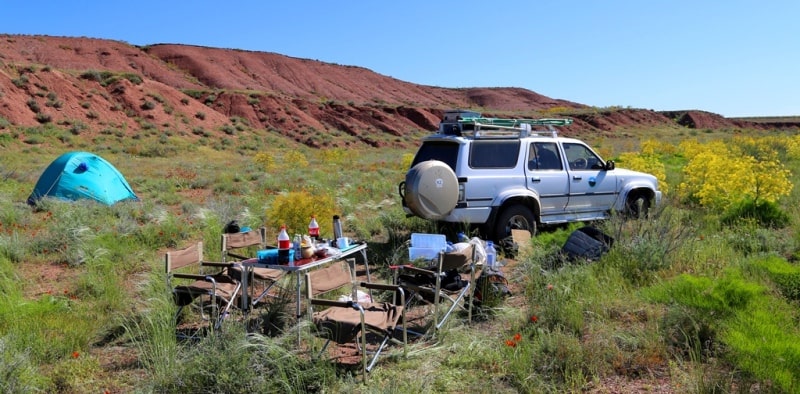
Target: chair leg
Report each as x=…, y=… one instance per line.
x=456, y=303
x=377, y=352
x=228, y=303
x=264, y=293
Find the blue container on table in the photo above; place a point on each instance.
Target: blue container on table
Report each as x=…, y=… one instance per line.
x=275, y=256
x=267, y=256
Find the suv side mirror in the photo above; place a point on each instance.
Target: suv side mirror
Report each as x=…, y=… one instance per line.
x=609, y=165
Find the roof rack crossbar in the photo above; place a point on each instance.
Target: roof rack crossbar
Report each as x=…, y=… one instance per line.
x=515, y=122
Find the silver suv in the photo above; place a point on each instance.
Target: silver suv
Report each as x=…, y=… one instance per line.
x=502, y=174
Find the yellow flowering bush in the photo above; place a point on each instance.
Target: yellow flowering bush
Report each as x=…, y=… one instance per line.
x=405, y=162
x=721, y=174
x=793, y=147
x=265, y=160
x=333, y=156
x=295, y=159
x=647, y=163
x=292, y=159
x=294, y=209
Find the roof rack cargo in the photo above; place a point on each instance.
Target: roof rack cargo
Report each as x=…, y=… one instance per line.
x=459, y=122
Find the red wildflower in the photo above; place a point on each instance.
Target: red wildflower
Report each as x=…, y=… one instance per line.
x=534, y=319
x=517, y=337
x=510, y=343
x=75, y=354
x=549, y=286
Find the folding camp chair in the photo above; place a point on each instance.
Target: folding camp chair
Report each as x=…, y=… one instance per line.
x=350, y=321
x=215, y=291
x=440, y=282
x=233, y=247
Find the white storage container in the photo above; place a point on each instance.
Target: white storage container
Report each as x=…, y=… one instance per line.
x=436, y=241
x=423, y=253
x=426, y=246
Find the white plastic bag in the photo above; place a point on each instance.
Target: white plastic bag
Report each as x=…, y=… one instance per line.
x=480, y=250
x=363, y=298
x=309, y=242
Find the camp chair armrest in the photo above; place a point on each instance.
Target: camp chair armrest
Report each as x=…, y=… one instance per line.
x=419, y=270
x=189, y=276
x=380, y=286
x=329, y=303
x=217, y=264
x=237, y=256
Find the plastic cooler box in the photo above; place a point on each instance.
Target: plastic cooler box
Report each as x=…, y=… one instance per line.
x=270, y=256
x=426, y=246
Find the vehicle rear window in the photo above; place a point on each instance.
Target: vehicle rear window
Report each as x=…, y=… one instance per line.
x=494, y=154
x=446, y=152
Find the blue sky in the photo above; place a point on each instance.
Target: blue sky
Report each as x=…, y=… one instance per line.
x=734, y=58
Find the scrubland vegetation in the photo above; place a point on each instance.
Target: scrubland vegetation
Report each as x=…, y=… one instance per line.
x=701, y=296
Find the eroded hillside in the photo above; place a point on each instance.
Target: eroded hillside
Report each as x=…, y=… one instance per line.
x=102, y=86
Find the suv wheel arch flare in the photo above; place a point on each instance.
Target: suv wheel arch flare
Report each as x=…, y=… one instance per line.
x=431, y=189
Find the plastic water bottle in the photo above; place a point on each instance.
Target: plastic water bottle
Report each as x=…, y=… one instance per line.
x=296, y=244
x=491, y=254
x=313, y=228
x=461, y=237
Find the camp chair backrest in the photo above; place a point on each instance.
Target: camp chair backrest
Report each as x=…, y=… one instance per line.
x=183, y=258
x=332, y=277
x=243, y=239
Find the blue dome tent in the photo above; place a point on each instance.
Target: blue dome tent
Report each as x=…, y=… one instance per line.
x=82, y=175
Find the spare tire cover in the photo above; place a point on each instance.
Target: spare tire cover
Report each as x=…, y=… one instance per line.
x=431, y=189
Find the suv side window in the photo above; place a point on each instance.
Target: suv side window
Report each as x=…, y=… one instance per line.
x=580, y=157
x=446, y=152
x=494, y=154
x=544, y=156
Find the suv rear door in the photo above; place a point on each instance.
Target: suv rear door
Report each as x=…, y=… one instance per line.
x=492, y=164
x=547, y=177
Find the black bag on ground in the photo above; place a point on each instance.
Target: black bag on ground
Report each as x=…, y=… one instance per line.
x=587, y=243
x=231, y=228
x=491, y=287
x=509, y=247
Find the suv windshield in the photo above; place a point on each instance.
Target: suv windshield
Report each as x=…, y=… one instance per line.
x=446, y=152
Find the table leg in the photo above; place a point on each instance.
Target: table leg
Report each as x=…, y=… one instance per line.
x=297, y=307
x=245, y=304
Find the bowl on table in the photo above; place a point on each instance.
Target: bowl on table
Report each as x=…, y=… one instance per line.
x=306, y=251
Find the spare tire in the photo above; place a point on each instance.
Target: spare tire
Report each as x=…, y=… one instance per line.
x=431, y=189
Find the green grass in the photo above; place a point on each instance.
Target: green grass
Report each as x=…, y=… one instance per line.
x=712, y=306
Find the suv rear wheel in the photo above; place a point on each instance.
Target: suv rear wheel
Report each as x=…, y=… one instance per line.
x=515, y=216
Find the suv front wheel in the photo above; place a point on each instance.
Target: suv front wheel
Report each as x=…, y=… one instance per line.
x=516, y=216
x=637, y=206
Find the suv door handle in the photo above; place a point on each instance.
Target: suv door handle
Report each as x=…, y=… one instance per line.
x=536, y=179
x=576, y=177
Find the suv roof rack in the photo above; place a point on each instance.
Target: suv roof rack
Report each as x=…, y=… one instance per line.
x=461, y=122
x=514, y=123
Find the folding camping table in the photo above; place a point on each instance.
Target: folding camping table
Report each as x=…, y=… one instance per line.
x=299, y=268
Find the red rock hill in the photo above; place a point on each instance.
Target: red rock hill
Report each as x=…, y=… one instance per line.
x=105, y=86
